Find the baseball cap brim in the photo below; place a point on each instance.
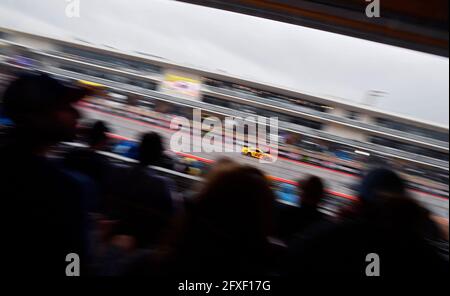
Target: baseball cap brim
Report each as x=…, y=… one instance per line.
x=37, y=93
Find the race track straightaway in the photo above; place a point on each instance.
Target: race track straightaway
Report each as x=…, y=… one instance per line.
x=283, y=169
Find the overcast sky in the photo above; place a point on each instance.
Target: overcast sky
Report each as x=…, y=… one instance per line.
x=316, y=62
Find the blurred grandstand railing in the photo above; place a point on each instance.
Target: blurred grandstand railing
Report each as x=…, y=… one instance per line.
x=188, y=185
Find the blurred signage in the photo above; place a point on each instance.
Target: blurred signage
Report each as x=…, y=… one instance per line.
x=181, y=84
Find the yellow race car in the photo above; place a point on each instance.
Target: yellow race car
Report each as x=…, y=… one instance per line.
x=255, y=153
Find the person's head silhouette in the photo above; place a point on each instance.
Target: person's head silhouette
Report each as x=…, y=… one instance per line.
x=151, y=149
x=41, y=109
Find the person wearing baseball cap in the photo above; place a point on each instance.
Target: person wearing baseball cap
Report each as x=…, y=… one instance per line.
x=41, y=109
x=44, y=203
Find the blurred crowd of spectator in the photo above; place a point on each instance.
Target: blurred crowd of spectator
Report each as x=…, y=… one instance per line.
x=131, y=221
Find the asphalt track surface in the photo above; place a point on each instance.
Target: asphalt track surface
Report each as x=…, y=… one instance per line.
x=282, y=169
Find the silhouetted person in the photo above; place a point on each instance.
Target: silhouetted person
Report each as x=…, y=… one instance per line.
x=293, y=220
x=97, y=135
x=225, y=231
x=88, y=161
x=151, y=151
x=145, y=202
x=44, y=206
x=378, y=181
x=386, y=222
